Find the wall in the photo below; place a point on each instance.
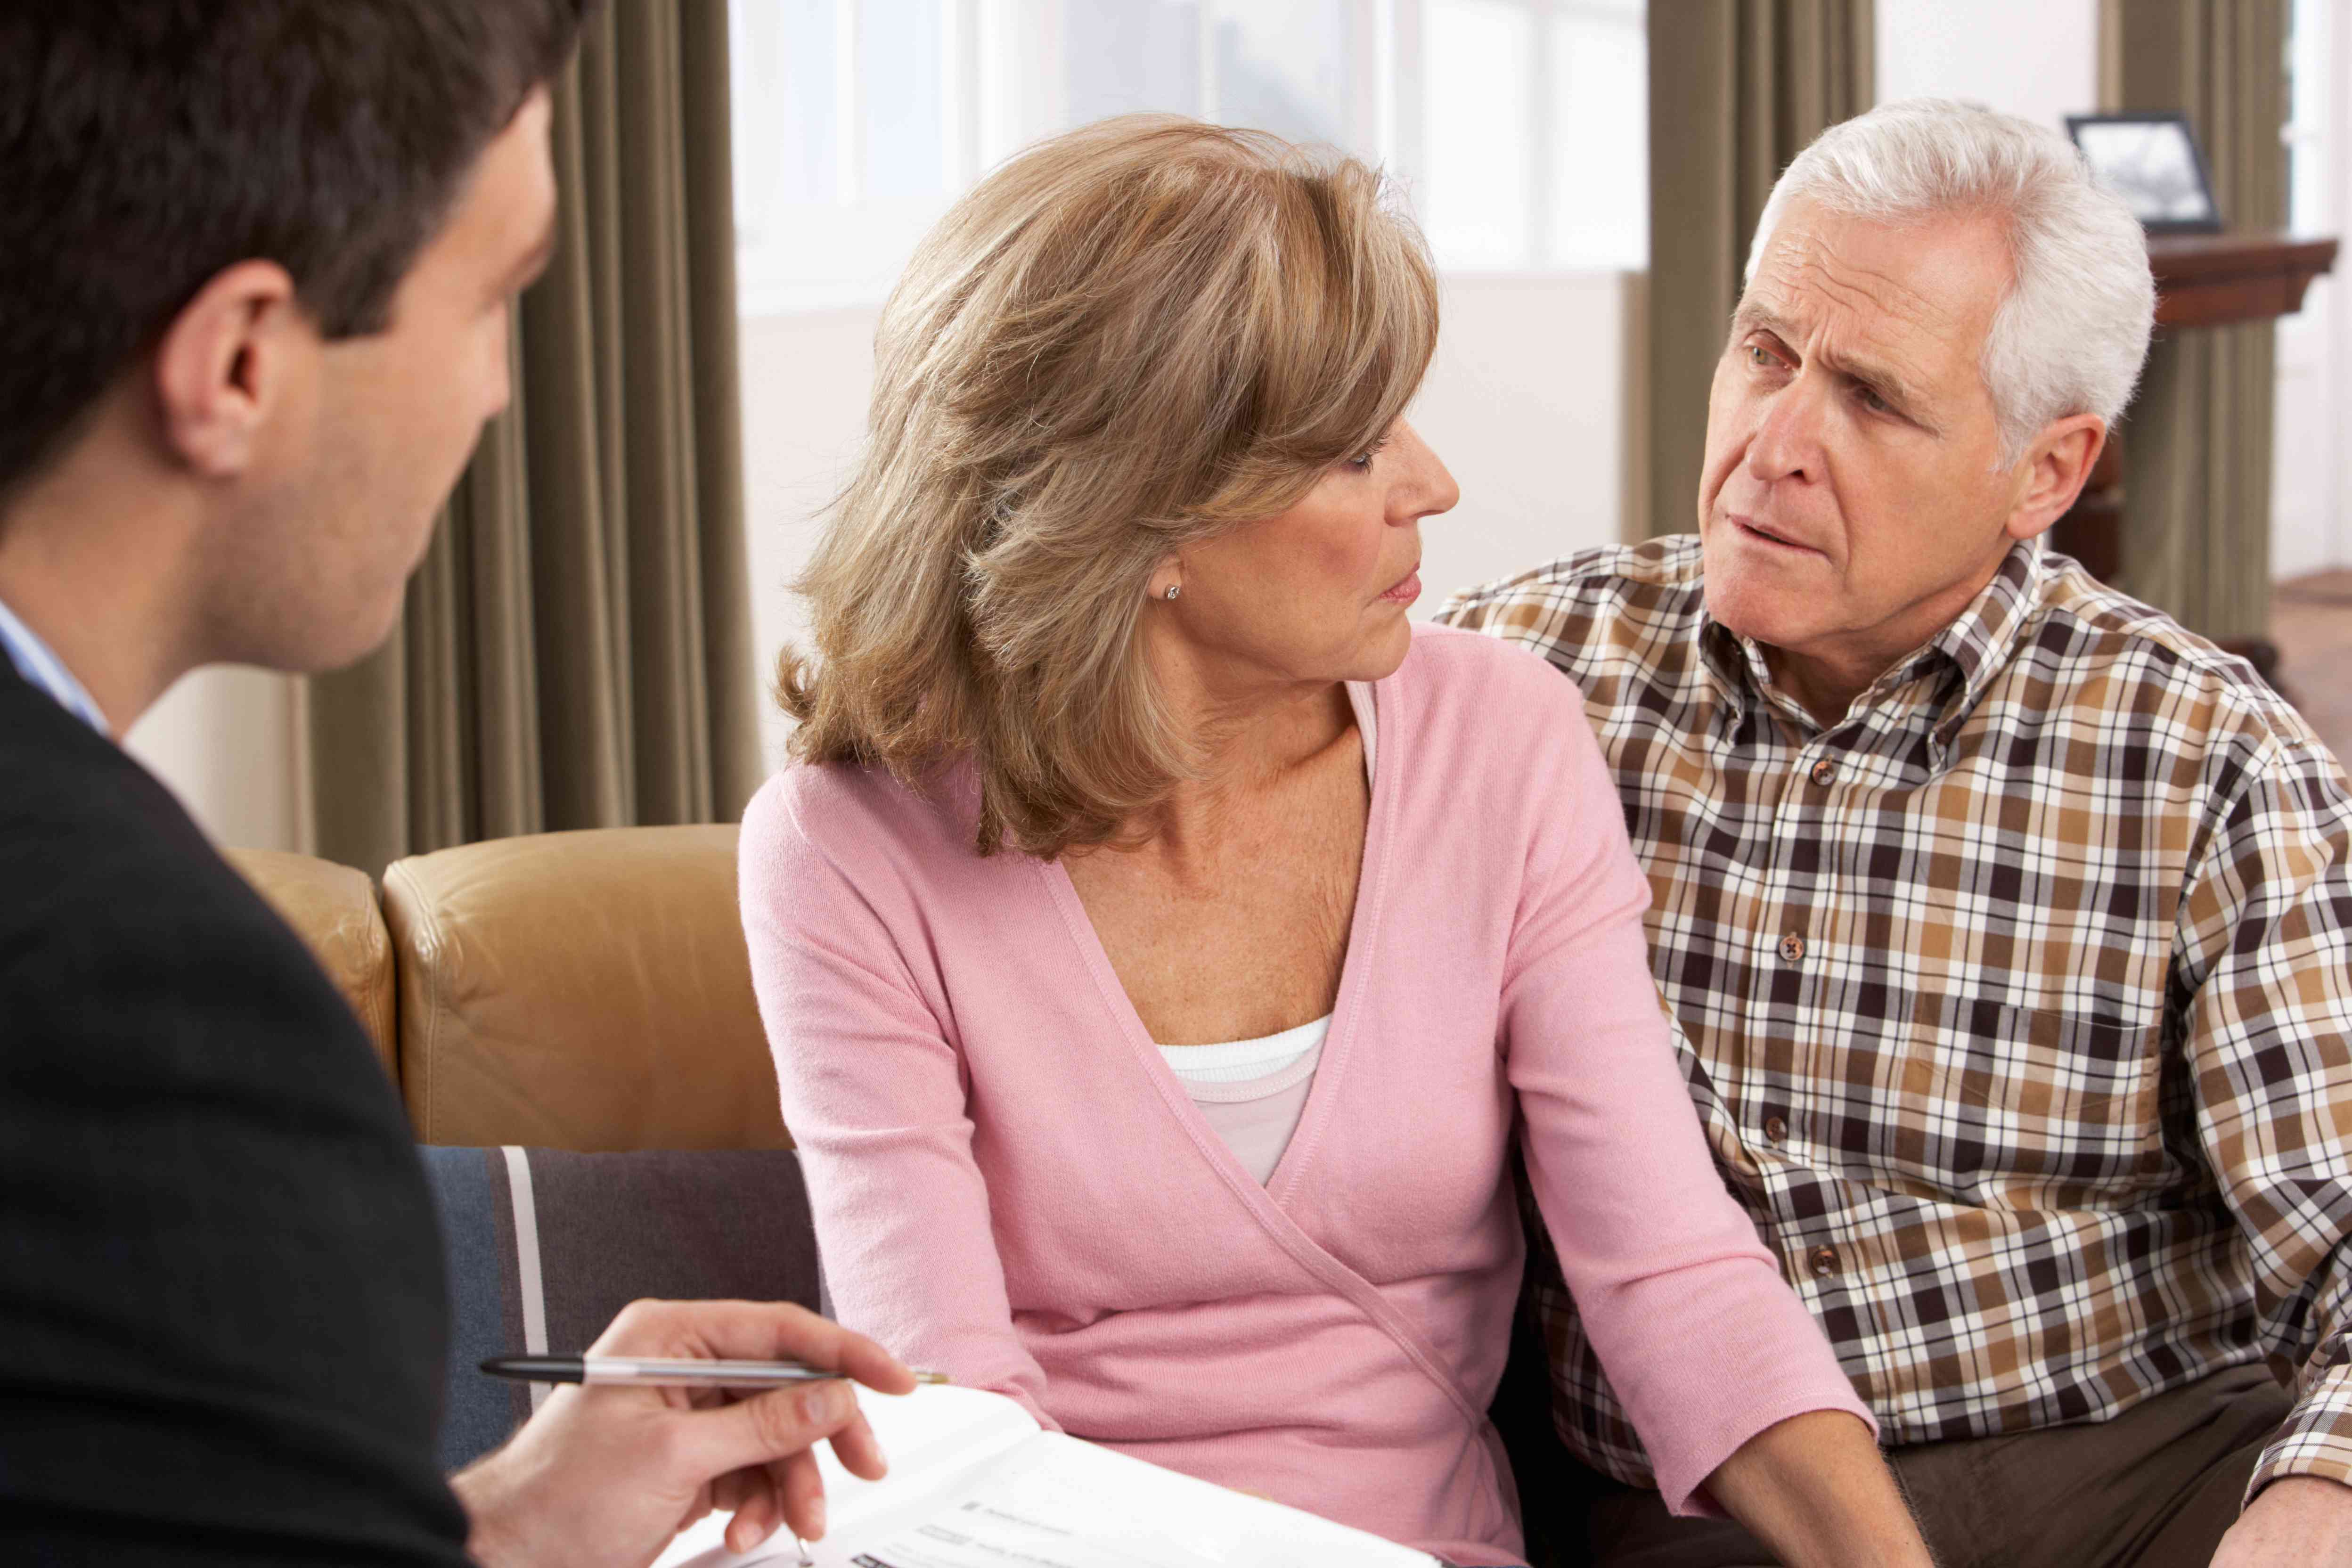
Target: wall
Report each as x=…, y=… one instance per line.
x=2311, y=499
x=227, y=740
x=1526, y=401
x=2039, y=58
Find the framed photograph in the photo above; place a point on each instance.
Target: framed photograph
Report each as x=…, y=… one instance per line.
x=2153, y=162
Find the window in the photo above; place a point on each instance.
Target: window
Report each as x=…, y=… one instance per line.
x=2311, y=495
x=1517, y=127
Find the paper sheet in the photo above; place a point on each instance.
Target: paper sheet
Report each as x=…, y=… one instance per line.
x=974, y=1484
x=1053, y=1502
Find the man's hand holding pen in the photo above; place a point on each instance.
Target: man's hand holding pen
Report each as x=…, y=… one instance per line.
x=607, y=1475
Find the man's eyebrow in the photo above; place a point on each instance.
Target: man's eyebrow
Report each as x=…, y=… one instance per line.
x=1751, y=317
x=1891, y=386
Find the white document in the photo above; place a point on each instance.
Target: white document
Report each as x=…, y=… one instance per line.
x=973, y=1483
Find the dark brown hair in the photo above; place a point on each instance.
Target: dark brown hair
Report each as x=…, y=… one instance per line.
x=147, y=144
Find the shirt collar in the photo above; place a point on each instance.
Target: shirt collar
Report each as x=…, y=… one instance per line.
x=46, y=671
x=1977, y=645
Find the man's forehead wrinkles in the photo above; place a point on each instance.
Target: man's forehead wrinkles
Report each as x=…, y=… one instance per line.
x=1858, y=328
x=1816, y=268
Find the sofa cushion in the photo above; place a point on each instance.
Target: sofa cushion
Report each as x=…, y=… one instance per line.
x=334, y=910
x=584, y=990
x=545, y=1245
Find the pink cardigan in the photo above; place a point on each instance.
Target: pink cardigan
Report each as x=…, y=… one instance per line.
x=1009, y=1183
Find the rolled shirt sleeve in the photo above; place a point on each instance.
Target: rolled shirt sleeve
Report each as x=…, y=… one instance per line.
x=2265, y=950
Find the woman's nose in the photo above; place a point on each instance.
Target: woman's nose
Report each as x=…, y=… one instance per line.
x=1432, y=486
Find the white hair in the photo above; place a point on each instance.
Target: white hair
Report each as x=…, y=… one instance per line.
x=2072, y=331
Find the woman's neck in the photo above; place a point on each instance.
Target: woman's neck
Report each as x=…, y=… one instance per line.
x=1249, y=736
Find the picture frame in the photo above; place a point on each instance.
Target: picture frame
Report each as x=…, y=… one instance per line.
x=2153, y=162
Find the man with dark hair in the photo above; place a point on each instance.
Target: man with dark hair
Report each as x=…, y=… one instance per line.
x=256, y=260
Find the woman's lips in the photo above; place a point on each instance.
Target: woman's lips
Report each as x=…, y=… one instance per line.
x=1406, y=592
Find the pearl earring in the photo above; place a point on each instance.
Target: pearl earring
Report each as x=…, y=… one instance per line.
x=1171, y=593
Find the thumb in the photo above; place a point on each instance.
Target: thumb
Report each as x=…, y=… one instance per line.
x=774, y=1425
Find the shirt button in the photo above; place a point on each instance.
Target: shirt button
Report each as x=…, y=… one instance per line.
x=1777, y=1129
x=1824, y=772
x=1792, y=948
x=1822, y=1261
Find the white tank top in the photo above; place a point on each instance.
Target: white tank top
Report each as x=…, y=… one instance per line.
x=1252, y=1093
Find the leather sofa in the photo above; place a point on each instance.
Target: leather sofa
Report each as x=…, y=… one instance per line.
x=583, y=991
x=591, y=991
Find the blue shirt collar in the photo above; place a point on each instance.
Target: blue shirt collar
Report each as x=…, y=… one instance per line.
x=46, y=671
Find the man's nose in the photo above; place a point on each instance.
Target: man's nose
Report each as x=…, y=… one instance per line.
x=1788, y=440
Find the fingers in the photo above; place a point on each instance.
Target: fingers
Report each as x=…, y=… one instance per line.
x=803, y=1495
x=772, y=1427
x=758, y=1513
x=859, y=1451
x=752, y=1330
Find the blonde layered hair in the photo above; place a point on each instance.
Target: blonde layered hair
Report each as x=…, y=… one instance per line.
x=1125, y=340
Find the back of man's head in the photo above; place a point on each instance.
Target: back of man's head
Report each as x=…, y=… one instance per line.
x=147, y=144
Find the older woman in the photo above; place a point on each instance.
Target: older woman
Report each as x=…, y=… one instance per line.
x=1162, y=941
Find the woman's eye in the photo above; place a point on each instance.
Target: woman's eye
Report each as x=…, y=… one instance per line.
x=1362, y=461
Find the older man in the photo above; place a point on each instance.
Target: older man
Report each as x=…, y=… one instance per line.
x=2009, y=924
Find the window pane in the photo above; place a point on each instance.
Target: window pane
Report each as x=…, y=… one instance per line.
x=787, y=145
x=1600, y=136
x=899, y=59
x=1130, y=55
x=1284, y=69
x=1477, y=102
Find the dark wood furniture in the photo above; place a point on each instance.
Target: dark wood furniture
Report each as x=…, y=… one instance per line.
x=2201, y=280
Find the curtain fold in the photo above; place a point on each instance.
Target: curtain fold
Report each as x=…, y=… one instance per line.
x=2196, y=441
x=1737, y=88
x=576, y=649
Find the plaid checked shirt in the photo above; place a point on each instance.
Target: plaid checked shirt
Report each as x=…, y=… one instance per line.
x=2017, y=1006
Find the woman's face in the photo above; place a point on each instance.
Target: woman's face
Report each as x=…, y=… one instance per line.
x=1320, y=592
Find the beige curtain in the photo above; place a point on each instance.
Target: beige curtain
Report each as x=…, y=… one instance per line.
x=2197, y=442
x=1737, y=88
x=576, y=651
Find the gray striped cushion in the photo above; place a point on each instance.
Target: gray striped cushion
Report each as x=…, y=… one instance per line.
x=545, y=1245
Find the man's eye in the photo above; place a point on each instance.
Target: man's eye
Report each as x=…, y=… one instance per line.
x=1872, y=401
x=1760, y=357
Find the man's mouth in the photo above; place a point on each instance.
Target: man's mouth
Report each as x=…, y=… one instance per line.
x=1768, y=534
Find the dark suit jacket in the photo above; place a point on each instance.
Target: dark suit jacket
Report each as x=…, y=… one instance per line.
x=222, y=1307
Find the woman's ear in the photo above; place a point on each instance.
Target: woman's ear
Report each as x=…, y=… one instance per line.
x=227, y=363
x=1167, y=580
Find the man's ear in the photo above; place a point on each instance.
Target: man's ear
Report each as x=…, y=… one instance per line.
x=225, y=363
x=2055, y=468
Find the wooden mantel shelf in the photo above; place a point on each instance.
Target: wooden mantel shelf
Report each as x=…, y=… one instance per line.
x=2201, y=280
x=2246, y=275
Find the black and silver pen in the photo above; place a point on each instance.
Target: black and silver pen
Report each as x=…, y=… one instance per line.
x=668, y=1372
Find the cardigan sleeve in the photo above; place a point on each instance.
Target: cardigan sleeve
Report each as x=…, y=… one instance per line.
x=1703, y=1341
x=874, y=1096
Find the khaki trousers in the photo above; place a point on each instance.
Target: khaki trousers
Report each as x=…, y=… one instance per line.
x=2155, y=1488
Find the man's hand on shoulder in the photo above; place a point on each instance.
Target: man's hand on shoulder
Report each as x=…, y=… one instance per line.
x=603, y=1477
x=2297, y=1521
